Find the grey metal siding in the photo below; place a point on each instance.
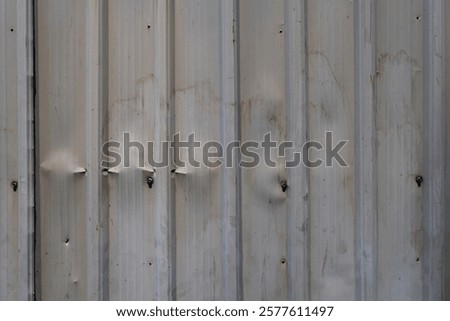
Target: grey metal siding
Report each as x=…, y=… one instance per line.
x=16, y=150
x=373, y=72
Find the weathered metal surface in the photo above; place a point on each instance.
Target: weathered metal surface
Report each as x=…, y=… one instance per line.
x=16, y=151
x=69, y=149
x=262, y=106
x=272, y=87
x=331, y=108
x=434, y=128
x=204, y=104
x=373, y=72
x=139, y=265
x=399, y=119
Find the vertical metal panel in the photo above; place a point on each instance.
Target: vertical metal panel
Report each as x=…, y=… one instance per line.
x=206, y=217
x=16, y=151
x=331, y=108
x=298, y=218
x=231, y=212
x=68, y=149
x=138, y=216
x=365, y=152
x=399, y=83
x=434, y=149
x=273, y=99
x=263, y=111
x=197, y=110
x=446, y=56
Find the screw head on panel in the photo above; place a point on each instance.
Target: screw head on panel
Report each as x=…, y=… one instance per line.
x=150, y=182
x=419, y=180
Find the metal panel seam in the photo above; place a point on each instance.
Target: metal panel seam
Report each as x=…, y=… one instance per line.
x=434, y=154
x=365, y=151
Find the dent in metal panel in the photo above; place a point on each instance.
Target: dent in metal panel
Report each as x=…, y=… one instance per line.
x=68, y=149
x=399, y=94
x=138, y=218
x=263, y=110
x=16, y=174
x=331, y=108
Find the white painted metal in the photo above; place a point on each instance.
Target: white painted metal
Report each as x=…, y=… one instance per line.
x=373, y=72
x=16, y=150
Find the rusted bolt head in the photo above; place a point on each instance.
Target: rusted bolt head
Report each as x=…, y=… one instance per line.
x=419, y=180
x=150, y=182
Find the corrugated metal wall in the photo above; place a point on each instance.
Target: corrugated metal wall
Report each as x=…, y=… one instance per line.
x=370, y=71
